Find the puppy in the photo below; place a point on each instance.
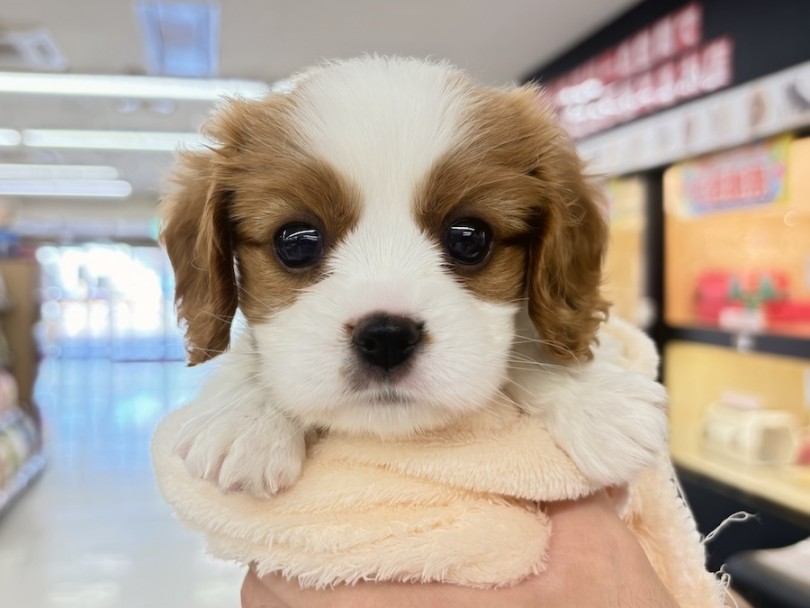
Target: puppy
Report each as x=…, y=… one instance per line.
x=406, y=247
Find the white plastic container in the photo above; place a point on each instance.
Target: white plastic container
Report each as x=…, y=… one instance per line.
x=753, y=436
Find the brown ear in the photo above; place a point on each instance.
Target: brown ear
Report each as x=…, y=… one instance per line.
x=565, y=267
x=196, y=234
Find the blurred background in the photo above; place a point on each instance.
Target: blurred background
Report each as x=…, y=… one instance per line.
x=696, y=112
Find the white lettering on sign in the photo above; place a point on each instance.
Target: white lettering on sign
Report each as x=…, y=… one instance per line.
x=663, y=40
x=657, y=67
x=688, y=27
x=590, y=106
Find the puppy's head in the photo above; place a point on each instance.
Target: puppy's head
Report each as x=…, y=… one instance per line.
x=380, y=226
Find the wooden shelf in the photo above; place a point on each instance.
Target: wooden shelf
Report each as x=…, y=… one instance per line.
x=784, y=345
x=698, y=375
x=787, y=486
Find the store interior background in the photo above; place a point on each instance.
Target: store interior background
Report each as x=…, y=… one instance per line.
x=697, y=113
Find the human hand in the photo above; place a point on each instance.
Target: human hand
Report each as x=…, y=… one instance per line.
x=593, y=561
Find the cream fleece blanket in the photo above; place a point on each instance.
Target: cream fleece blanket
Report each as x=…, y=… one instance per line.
x=458, y=506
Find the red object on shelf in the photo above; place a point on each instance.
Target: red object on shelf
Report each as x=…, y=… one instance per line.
x=715, y=293
x=782, y=311
x=712, y=296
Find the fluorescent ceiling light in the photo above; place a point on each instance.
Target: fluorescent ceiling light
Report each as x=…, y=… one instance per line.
x=111, y=140
x=137, y=87
x=10, y=137
x=39, y=172
x=101, y=188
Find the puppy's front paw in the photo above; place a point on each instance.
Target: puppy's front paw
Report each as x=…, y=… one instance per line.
x=257, y=452
x=616, y=428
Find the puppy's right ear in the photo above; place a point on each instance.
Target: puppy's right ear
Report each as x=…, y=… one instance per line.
x=197, y=236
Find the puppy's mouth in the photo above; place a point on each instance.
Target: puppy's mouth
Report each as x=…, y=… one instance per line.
x=387, y=396
x=374, y=386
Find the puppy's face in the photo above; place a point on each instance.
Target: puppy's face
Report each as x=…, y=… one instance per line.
x=380, y=227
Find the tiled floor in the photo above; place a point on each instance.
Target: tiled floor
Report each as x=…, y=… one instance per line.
x=94, y=532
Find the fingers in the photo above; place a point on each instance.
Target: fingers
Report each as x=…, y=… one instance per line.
x=578, y=524
x=256, y=594
x=587, y=537
x=593, y=560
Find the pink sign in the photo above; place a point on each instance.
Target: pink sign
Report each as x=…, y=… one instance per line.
x=658, y=67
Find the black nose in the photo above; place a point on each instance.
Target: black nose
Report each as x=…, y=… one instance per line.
x=385, y=341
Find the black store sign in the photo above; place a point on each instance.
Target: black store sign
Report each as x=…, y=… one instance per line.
x=664, y=52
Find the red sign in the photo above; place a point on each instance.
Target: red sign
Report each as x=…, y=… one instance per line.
x=750, y=176
x=659, y=66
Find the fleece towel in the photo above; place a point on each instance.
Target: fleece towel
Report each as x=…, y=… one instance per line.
x=461, y=505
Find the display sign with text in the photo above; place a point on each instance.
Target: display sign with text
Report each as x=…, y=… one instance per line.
x=658, y=67
x=737, y=240
x=749, y=176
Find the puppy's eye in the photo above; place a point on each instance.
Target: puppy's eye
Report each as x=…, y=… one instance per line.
x=468, y=241
x=299, y=245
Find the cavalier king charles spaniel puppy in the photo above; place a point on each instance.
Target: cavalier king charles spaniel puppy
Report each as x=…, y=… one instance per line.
x=406, y=247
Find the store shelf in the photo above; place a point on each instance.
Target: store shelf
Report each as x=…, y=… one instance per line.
x=699, y=378
x=660, y=139
x=764, y=343
x=786, y=486
x=22, y=479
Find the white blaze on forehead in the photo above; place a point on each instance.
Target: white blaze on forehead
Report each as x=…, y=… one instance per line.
x=382, y=123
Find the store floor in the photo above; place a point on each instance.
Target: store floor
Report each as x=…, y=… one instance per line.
x=93, y=532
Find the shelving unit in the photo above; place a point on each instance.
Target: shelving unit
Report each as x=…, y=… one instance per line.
x=21, y=455
x=21, y=448
x=784, y=485
x=755, y=248
x=679, y=246
x=644, y=107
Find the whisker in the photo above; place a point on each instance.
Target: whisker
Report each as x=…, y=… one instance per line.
x=557, y=345
x=531, y=364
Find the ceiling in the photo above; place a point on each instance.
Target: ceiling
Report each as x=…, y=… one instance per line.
x=268, y=40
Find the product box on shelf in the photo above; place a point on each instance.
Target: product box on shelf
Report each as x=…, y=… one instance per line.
x=737, y=232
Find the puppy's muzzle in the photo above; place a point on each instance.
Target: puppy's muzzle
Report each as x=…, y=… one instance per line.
x=385, y=341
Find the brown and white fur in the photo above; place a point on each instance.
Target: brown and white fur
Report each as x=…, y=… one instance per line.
x=381, y=155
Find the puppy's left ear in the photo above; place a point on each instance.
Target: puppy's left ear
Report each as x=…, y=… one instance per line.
x=565, y=260
x=197, y=239
x=197, y=232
